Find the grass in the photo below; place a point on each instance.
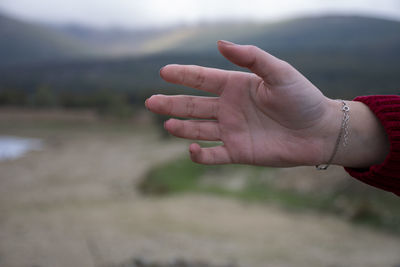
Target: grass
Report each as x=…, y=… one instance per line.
x=182, y=175
x=368, y=207
x=74, y=124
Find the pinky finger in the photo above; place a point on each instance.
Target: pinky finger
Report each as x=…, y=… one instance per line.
x=210, y=155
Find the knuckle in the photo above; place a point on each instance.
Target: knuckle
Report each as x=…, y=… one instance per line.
x=286, y=70
x=252, y=52
x=197, y=131
x=183, y=75
x=168, y=106
x=180, y=128
x=213, y=155
x=252, y=48
x=217, y=133
x=199, y=77
x=190, y=106
x=215, y=109
x=223, y=83
x=281, y=73
x=284, y=65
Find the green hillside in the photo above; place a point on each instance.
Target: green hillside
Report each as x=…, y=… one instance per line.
x=23, y=42
x=112, y=42
x=331, y=32
x=343, y=56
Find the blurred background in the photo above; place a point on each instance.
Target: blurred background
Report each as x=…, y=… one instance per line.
x=88, y=177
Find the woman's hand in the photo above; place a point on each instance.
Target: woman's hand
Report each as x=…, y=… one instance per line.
x=273, y=116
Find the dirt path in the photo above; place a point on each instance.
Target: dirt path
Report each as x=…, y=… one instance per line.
x=74, y=204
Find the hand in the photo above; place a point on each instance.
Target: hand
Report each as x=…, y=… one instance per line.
x=273, y=116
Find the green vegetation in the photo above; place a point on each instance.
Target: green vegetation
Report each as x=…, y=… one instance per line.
x=104, y=102
x=24, y=43
x=354, y=201
x=343, y=56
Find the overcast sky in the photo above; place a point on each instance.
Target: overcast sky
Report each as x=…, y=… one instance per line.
x=147, y=13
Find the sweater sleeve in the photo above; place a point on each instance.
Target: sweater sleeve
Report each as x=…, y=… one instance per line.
x=385, y=176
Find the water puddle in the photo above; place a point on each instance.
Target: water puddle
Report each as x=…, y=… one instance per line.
x=12, y=147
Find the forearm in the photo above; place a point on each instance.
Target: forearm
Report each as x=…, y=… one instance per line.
x=367, y=142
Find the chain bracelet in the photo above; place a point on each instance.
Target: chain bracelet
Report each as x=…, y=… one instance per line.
x=345, y=122
x=344, y=131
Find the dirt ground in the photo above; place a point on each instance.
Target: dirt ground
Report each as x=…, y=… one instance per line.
x=74, y=204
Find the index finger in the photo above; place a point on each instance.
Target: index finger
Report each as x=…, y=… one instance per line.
x=206, y=79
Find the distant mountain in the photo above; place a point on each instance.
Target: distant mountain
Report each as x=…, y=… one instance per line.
x=29, y=43
x=343, y=55
x=114, y=41
x=22, y=42
x=328, y=32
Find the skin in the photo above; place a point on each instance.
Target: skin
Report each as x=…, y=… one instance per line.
x=273, y=116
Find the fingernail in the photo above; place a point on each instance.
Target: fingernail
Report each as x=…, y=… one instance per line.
x=159, y=72
x=145, y=103
x=191, y=150
x=223, y=42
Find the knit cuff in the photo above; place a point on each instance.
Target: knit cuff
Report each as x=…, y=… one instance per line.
x=385, y=176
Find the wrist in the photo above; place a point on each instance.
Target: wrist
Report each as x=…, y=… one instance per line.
x=367, y=142
x=331, y=129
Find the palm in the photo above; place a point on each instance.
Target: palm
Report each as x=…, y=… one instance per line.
x=263, y=119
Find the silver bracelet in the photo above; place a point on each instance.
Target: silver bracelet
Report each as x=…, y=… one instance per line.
x=344, y=131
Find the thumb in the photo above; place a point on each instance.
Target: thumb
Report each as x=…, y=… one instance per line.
x=265, y=65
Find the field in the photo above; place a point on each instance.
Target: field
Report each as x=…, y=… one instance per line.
x=77, y=203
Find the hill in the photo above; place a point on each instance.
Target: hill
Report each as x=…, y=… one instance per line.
x=329, y=32
x=112, y=42
x=23, y=42
x=343, y=55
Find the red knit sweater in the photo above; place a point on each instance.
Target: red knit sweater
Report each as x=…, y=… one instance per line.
x=386, y=175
